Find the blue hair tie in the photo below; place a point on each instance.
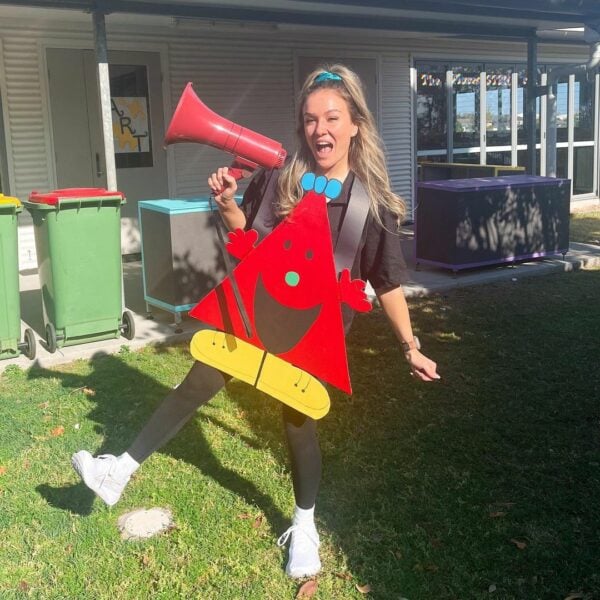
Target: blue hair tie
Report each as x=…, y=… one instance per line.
x=327, y=76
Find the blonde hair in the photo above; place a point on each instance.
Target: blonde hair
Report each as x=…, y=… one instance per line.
x=365, y=157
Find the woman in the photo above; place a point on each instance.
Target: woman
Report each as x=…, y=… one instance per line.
x=337, y=138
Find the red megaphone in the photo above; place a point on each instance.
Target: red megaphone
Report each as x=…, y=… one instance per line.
x=193, y=121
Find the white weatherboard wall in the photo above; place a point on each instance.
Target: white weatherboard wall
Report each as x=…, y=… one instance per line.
x=244, y=74
x=395, y=128
x=27, y=148
x=248, y=82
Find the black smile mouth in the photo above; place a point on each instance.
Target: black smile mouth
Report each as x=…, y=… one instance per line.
x=279, y=327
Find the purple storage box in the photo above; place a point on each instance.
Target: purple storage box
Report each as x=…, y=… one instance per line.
x=465, y=223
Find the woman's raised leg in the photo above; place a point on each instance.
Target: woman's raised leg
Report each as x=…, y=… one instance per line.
x=107, y=475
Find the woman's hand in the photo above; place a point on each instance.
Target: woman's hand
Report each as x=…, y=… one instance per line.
x=224, y=187
x=394, y=305
x=421, y=367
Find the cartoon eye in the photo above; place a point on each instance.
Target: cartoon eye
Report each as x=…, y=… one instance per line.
x=287, y=244
x=309, y=254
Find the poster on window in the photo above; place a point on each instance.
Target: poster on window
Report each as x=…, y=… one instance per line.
x=131, y=131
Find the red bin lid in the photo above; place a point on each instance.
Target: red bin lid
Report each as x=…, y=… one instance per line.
x=56, y=196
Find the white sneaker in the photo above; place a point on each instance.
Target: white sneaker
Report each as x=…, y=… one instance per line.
x=303, y=556
x=106, y=475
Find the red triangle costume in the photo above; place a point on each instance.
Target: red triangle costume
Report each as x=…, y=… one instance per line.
x=291, y=292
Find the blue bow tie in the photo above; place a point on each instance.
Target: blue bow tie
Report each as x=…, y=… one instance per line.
x=320, y=184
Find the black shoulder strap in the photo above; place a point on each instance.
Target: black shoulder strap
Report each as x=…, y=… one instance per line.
x=353, y=226
x=351, y=231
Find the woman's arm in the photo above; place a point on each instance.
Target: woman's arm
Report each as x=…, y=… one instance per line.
x=224, y=187
x=394, y=306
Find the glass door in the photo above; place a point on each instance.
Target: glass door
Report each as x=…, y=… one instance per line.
x=466, y=101
x=498, y=101
x=584, y=111
x=475, y=113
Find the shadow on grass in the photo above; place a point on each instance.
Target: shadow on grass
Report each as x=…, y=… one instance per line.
x=585, y=229
x=428, y=487
x=120, y=417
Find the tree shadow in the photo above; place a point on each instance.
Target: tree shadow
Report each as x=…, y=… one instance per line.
x=491, y=226
x=412, y=471
x=339, y=506
x=425, y=485
x=585, y=230
x=120, y=418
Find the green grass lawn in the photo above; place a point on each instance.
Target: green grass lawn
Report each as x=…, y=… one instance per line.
x=485, y=485
x=585, y=227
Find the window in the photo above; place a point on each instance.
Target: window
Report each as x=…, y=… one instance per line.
x=497, y=117
x=432, y=111
x=521, y=100
x=130, y=116
x=465, y=101
x=583, y=122
x=562, y=110
x=503, y=122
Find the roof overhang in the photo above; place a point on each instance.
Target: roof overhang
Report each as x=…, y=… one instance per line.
x=508, y=19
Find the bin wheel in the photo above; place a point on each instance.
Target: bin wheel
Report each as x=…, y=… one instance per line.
x=29, y=349
x=51, y=338
x=128, y=326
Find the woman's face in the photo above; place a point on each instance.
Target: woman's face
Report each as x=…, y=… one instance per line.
x=328, y=129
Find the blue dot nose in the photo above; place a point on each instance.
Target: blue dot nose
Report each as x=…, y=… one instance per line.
x=292, y=278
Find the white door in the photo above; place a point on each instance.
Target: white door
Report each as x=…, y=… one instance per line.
x=138, y=127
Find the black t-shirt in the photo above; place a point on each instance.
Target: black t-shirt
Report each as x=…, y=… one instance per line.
x=379, y=258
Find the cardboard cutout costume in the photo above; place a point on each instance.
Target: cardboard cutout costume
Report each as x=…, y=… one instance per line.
x=292, y=294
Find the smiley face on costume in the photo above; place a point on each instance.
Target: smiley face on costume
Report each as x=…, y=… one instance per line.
x=290, y=289
x=294, y=276
x=292, y=279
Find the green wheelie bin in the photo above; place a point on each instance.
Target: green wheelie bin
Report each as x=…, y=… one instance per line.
x=78, y=244
x=10, y=308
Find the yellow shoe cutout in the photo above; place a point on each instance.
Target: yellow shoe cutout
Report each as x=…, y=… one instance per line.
x=293, y=387
x=227, y=353
x=278, y=378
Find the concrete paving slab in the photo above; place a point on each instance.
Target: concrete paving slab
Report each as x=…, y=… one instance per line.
x=141, y=524
x=428, y=280
x=162, y=328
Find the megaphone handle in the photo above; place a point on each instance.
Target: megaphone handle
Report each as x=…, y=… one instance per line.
x=234, y=285
x=238, y=171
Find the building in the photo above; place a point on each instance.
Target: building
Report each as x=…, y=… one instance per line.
x=446, y=81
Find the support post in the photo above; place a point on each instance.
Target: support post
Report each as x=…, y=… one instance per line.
x=105, y=104
x=551, y=128
x=531, y=103
x=105, y=107
x=449, y=85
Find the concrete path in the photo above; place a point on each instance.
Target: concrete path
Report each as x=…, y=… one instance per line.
x=162, y=328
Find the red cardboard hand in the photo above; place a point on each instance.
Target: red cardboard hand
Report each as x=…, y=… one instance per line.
x=352, y=292
x=241, y=242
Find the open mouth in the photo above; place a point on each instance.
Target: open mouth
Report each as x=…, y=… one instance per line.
x=280, y=327
x=323, y=148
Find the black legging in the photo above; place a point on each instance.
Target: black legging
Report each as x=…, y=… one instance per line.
x=199, y=386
